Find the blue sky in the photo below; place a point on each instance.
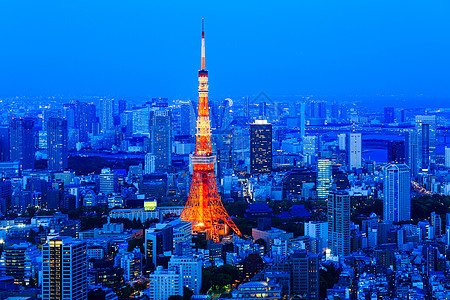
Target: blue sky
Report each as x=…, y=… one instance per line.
x=152, y=48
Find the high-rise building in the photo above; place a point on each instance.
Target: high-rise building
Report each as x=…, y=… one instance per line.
x=22, y=142
x=396, y=152
x=310, y=145
x=411, y=152
x=149, y=164
x=57, y=136
x=302, y=119
x=161, y=137
x=106, y=114
x=85, y=118
x=4, y=144
x=426, y=141
x=436, y=223
x=324, y=178
x=19, y=262
x=64, y=269
x=397, y=193
x=447, y=157
x=354, y=150
x=191, y=271
x=260, y=147
x=122, y=106
x=389, y=115
x=305, y=275
x=318, y=230
x=108, y=182
x=342, y=138
x=339, y=223
x=187, y=119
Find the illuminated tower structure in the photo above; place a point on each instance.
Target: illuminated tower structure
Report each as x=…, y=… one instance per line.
x=204, y=208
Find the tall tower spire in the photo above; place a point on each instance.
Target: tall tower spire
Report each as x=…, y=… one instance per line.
x=203, y=44
x=204, y=209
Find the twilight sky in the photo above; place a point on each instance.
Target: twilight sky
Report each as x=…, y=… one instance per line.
x=152, y=48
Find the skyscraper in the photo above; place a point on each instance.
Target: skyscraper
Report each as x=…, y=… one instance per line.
x=436, y=223
x=302, y=119
x=397, y=193
x=64, y=269
x=161, y=137
x=149, y=163
x=426, y=141
x=57, y=135
x=342, y=138
x=354, y=150
x=187, y=117
x=339, y=223
x=305, y=275
x=106, y=114
x=4, y=144
x=411, y=152
x=389, y=115
x=22, y=143
x=260, y=147
x=447, y=157
x=84, y=119
x=324, y=178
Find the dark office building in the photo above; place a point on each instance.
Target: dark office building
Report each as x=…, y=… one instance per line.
x=122, y=106
x=294, y=179
x=389, y=115
x=85, y=118
x=260, y=147
x=57, y=144
x=22, y=143
x=154, y=185
x=396, y=152
x=161, y=137
x=4, y=144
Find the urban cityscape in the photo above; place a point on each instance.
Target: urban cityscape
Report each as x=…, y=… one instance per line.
x=212, y=198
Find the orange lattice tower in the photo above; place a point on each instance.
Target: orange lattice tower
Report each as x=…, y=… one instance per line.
x=204, y=208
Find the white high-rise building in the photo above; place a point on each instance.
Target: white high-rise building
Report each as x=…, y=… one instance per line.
x=64, y=269
x=397, y=193
x=149, y=163
x=164, y=283
x=106, y=114
x=339, y=223
x=447, y=157
x=324, y=178
x=318, y=230
x=341, y=141
x=108, y=181
x=310, y=143
x=354, y=150
x=191, y=271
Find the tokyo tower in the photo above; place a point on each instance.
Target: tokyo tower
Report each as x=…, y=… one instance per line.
x=204, y=208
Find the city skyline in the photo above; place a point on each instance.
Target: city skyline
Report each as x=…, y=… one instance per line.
x=263, y=197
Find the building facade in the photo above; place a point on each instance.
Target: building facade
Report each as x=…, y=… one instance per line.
x=396, y=193
x=339, y=223
x=260, y=147
x=64, y=269
x=57, y=138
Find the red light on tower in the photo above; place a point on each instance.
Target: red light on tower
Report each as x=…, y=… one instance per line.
x=204, y=209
